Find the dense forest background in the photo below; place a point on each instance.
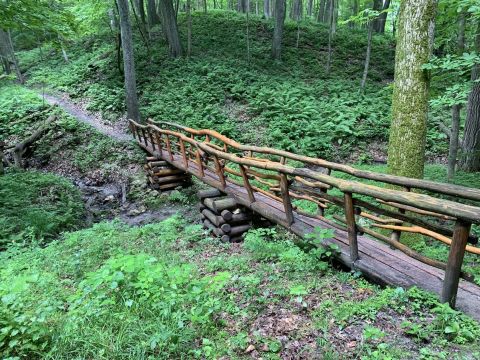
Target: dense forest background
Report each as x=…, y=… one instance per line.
x=315, y=77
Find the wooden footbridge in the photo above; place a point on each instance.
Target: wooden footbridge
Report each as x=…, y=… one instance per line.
x=301, y=193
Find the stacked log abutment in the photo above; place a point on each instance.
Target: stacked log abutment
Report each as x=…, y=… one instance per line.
x=162, y=176
x=223, y=216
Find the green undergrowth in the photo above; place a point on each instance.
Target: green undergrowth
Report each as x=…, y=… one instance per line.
x=167, y=290
x=292, y=105
x=36, y=206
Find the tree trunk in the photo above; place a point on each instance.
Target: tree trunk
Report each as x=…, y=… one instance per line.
x=205, y=6
x=454, y=131
x=141, y=11
x=4, y=52
x=382, y=19
x=189, y=27
x=278, y=30
x=20, y=77
x=377, y=6
x=297, y=10
x=133, y=111
x=242, y=6
x=171, y=28
x=406, y=151
x=470, y=161
x=266, y=9
x=310, y=8
x=321, y=11
x=330, y=35
x=153, y=18
x=367, y=56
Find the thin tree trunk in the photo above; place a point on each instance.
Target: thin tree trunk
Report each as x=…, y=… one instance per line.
x=310, y=8
x=189, y=27
x=455, y=130
x=367, y=56
x=204, y=6
x=141, y=11
x=470, y=161
x=4, y=52
x=20, y=78
x=406, y=151
x=278, y=30
x=266, y=8
x=322, y=9
x=330, y=36
x=382, y=19
x=153, y=18
x=170, y=26
x=377, y=6
x=248, y=31
x=133, y=111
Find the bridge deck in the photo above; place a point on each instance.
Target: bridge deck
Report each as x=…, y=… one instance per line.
x=377, y=261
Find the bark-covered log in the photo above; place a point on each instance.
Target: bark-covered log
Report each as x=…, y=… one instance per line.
x=218, y=205
x=21, y=147
x=209, y=193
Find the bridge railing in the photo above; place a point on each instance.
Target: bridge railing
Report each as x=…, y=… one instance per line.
x=307, y=187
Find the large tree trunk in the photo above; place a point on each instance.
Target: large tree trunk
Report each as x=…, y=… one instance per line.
x=10, y=57
x=133, y=111
x=406, y=151
x=382, y=19
x=153, y=18
x=367, y=56
x=242, y=6
x=278, y=31
x=470, y=161
x=170, y=27
x=455, y=130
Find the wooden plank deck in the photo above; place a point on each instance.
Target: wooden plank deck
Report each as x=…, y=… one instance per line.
x=377, y=261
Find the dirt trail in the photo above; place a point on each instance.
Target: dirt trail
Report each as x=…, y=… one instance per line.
x=81, y=114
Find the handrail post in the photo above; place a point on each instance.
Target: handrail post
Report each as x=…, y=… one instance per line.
x=169, y=147
x=150, y=135
x=184, y=154
x=158, y=139
x=455, y=260
x=220, y=173
x=395, y=236
x=287, y=203
x=200, y=164
x=144, y=137
x=248, y=187
x=351, y=226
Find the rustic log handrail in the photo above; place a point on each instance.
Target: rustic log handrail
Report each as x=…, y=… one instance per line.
x=194, y=151
x=441, y=188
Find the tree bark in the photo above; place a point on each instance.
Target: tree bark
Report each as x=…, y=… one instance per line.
x=4, y=52
x=470, y=160
x=133, y=111
x=153, y=18
x=189, y=27
x=278, y=30
x=296, y=13
x=141, y=11
x=330, y=35
x=310, y=8
x=171, y=28
x=266, y=9
x=455, y=130
x=377, y=6
x=10, y=57
x=242, y=6
x=321, y=11
x=406, y=151
x=367, y=56
x=382, y=19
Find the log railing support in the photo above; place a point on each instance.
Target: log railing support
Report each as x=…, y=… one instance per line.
x=246, y=182
x=287, y=203
x=150, y=135
x=169, y=146
x=351, y=226
x=454, y=263
x=144, y=137
x=219, y=171
x=395, y=236
x=201, y=171
x=158, y=139
x=184, y=153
